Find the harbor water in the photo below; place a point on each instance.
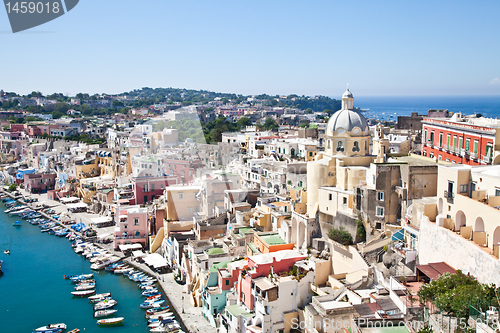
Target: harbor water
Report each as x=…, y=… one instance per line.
x=33, y=292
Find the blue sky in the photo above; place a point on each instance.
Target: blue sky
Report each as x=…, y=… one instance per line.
x=384, y=48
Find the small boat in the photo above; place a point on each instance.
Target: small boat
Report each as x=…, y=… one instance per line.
x=6, y=252
x=55, y=330
x=171, y=327
x=110, y=321
x=80, y=282
x=98, y=296
x=76, y=330
x=83, y=293
x=104, y=313
x=123, y=270
x=51, y=327
x=150, y=292
x=155, y=310
x=100, y=299
x=163, y=322
x=106, y=304
x=149, y=305
x=17, y=224
x=156, y=317
x=85, y=287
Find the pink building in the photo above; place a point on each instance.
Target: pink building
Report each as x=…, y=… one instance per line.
x=147, y=189
x=261, y=265
x=132, y=226
x=184, y=170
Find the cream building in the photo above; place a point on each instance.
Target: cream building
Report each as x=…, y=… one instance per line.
x=333, y=174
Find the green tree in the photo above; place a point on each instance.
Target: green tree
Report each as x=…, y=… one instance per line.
x=270, y=124
x=12, y=187
x=243, y=122
x=340, y=235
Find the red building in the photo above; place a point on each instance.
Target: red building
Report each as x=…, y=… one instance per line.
x=461, y=140
x=261, y=265
x=147, y=189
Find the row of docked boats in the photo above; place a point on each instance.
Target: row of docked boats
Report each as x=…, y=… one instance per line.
x=103, y=304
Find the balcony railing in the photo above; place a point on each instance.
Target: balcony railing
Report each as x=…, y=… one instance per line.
x=449, y=196
x=130, y=237
x=487, y=159
x=473, y=155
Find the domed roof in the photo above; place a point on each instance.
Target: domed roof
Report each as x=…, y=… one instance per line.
x=347, y=120
x=347, y=94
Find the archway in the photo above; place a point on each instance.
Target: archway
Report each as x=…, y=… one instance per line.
x=302, y=234
x=460, y=220
x=440, y=206
x=496, y=236
x=496, y=161
x=479, y=225
x=293, y=233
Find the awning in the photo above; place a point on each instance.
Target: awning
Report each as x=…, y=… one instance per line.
x=138, y=253
x=399, y=235
x=99, y=220
x=155, y=260
x=77, y=205
x=68, y=200
x=126, y=247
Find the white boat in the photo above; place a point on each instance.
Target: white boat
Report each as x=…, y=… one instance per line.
x=110, y=321
x=83, y=292
x=163, y=315
x=100, y=264
x=106, y=304
x=51, y=327
x=122, y=270
x=99, y=296
x=167, y=327
x=159, y=323
x=85, y=287
x=15, y=209
x=104, y=313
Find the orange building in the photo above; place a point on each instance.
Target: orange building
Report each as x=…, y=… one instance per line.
x=267, y=242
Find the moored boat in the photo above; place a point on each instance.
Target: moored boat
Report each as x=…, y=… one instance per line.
x=110, y=321
x=149, y=305
x=61, y=326
x=155, y=310
x=104, y=313
x=83, y=293
x=98, y=296
x=85, y=287
x=106, y=304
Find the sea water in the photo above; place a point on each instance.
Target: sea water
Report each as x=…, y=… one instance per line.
x=33, y=292
x=383, y=108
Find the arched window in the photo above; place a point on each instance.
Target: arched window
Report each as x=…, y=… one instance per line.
x=355, y=148
x=340, y=146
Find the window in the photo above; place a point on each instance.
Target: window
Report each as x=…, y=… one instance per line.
x=455, y=143
x=136, y=221
x=355, y=148
x=152, y=187
x=330, y=196
x=440, y=140
x=464, y=188
x=227, y=282
x=448, y=141
x=467, y=145
x=379, y=212
x=380, y=196
x=497, y=192
x=489, y=151
x=340, y=146
x=432, y=137
x=161, y=186
x=189, y=210
x=425, y=136
x=476, y=144
x=329, y=144
x=180, y=196
x=344, y=200
x=310, y=153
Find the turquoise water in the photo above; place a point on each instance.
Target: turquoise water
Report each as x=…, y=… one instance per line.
x=33, y=292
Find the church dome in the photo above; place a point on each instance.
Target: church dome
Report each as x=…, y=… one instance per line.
x=346, y=121
x=347, y=94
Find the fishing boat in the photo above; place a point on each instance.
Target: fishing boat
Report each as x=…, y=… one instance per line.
x=171, y=327
x=81, y=277
x=100, y=264
x=51, y=327
x=149, y=292
x=85, y=287
x=104, y=313
x=100, y=299
x=163, y=322
x=163, y=315
x=155, y=310
x=122, y=270
x=83, y=293
x=153, y=298
x=106, y=304
x=99, y=296
x=17, y=224
x=110, y=321
x=76, y=330
x=149, y=305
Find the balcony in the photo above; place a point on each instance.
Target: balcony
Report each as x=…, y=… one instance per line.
x=487, y=159
x=473, y=156
x=449, y=196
